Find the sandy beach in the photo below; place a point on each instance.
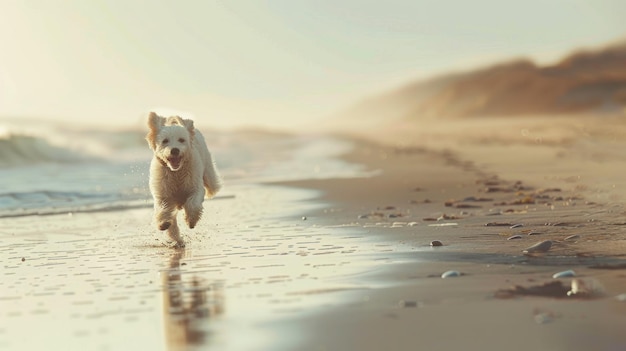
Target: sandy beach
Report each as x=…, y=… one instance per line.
x=347, y=263
x=397, y=175
x=486, y=200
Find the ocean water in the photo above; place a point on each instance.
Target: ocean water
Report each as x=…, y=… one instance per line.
x=101, y=279
x=48, y=168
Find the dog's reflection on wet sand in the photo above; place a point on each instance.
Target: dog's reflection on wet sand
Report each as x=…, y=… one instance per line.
x=188, y=305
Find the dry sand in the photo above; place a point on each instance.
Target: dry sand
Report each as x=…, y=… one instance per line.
x=357, y=272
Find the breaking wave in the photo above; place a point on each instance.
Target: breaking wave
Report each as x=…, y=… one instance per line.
x=16, y=150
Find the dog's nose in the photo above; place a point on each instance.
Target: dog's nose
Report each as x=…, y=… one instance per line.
x=175, y=152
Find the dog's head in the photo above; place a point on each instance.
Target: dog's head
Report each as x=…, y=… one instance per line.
x=170, y=139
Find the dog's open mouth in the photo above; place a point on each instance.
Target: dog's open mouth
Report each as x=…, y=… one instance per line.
x=174, y=162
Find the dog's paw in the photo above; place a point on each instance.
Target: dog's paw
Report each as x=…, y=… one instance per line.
x=175, y=244
x=164, y=225
x=192, y=221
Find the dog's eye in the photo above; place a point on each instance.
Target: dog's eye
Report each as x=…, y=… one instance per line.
x=181, y=140
x=165, y=141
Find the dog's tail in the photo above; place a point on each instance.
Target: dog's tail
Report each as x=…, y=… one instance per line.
x=210, y=177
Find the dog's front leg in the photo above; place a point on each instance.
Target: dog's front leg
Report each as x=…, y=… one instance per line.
x=174, y=233
x=193, y=208
x=164, y=214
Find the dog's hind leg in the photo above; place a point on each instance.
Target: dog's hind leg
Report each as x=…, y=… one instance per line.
x=193, y=208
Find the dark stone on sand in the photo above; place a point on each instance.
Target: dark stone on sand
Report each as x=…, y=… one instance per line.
x=609, y=266
x=23, y=259
x=550, y=289
x=498, y=224
x=466, y=206
x=436, y=243
x=556, y=224
x=477, y=199
x=407, y=303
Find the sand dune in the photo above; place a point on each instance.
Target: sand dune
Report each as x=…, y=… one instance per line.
x=586, y=81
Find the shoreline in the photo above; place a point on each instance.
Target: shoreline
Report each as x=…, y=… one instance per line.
x=426, y=194
x=340, y=263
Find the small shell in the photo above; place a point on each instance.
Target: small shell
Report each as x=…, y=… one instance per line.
x=450, y=274
x=540, y=247
x=565, y=274
x=435, y=243
x=514, y=237
x=585, y=288
x=572, y=237
x=449, y=224
x=518, y=225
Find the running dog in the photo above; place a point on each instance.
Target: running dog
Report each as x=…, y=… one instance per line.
x=182, y=172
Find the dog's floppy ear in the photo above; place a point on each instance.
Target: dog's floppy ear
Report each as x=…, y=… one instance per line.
x=189, y=125
x=155, y=122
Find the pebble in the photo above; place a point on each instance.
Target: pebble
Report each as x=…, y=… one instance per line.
x=543, y=246
x=621, y=297
x=443, y=225
x=407, y=303
x=564, y=274
x=497, y=224
x=572, y=237
x=304, y=218
x=450, y=274
x=435, y=243
x=23, y=259
x=542, y=318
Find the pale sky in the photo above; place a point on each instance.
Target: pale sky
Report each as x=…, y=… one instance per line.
x=264, y=63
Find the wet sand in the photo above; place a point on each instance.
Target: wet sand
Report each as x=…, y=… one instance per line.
x=343, y=264
x=472, y=194
x=105, y=280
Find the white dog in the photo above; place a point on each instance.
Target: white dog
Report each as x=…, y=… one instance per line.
x=182, y=172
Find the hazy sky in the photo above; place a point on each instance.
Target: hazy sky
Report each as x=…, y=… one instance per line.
x=269, y=63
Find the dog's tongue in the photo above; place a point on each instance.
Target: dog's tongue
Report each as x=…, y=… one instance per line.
x=174, y=161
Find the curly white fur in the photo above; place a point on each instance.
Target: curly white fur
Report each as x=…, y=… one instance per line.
x=182, y=172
